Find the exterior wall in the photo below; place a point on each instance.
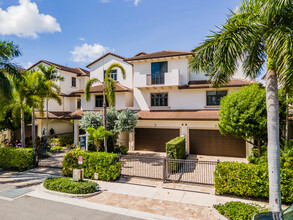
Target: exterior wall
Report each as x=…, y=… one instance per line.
x=60, y=126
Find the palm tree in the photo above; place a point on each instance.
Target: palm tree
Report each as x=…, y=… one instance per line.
x=97, y=135
x=51, y=74
x=42, y=88
x=8, y=51
x=257, y=31
x=109, y=90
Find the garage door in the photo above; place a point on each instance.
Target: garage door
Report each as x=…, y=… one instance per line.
x=154, y=139
x=211, y=142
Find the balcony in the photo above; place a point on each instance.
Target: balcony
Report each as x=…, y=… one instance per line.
x=158, y=80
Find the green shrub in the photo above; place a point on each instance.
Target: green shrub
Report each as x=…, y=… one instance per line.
x=12, y=158
x=107, y=165
x=56, y=149
x=239, y=210
x=176, y=147
x=67, y=185
x=63, y=141
x=250, y=180
x=122, y=149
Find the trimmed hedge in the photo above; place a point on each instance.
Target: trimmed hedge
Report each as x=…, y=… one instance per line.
x=107, y=165
x=250, y=180
x=63, y=141
x=177, y=148
x=13, y=158
x=239, y=210
x=67, y=185
x=56, y=149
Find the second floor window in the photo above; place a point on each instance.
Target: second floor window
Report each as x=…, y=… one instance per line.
x=159, y=99
x=113, y=74
x=158, y=72
x=78, y=103
x=100, y=101
x=214, y=97
x=73, y=82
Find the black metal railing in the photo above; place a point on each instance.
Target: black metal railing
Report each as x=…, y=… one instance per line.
x=156, y=78
x=168, y=169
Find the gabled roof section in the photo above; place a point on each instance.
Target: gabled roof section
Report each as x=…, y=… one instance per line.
x=76, y=70
x=102, y=57
x=161, y=54
x=201, y=84
x=99, y=89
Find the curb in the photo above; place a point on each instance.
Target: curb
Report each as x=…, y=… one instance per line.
x=69, y=195
x=218, y=215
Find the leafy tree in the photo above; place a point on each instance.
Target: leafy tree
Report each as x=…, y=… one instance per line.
x=243, y=114
x=126, y=121
x=109, y=90
x=50, y=74
x=98, y=135
x=257, y=31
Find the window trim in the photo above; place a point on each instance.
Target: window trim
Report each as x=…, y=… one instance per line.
x=78, y=100
x=73, y=81
x=159, y=106
x=107, y=104
x=113, y=73
x=214, y=105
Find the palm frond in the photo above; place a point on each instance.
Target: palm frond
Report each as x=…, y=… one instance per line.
x=87, y=88
x=110, y=90
x=112, y=67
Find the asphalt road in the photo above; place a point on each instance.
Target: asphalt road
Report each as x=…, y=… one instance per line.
x=30, y=208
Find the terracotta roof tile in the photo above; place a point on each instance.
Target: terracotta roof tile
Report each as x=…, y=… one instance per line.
x=54, y=115
x=76, y=70
x=179, y=115
x=161, y=54
x=99, y=89
x=199, y=84
x=107, y=54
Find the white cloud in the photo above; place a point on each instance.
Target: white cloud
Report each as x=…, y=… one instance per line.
x=105, y=1
x=25, y=20
x=27, y=65
x=136, y=2
x=81, y=38
x=87, y=52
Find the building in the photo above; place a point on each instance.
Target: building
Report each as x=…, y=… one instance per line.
x=171, y=101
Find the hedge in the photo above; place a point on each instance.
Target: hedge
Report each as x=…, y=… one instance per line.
x=63, y=141
x=107, y=165
x=250, y=180
x=20, y=159
x=67, y=185
x=177, y=148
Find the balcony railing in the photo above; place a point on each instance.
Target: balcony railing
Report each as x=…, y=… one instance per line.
x=155, y=79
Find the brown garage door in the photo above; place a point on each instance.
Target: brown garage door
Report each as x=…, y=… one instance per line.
x=211, y=142
x=154, y=139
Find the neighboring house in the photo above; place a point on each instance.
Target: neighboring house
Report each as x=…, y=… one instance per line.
x=171, y=101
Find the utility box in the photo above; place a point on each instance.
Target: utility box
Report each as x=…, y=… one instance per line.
x=78, y=175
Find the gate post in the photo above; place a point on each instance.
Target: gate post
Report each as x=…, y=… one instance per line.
x=164, y=169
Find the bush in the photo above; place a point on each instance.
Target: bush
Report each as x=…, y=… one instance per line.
x=250, y=180
x=63, y=141
x=122, y=149
x=67, y=185
x=12, y=158
x=56, y=149
x=239, y=210
x=107, y=165
x=176, y=147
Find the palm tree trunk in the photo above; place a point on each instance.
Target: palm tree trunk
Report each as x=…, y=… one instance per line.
x=272, y=102
x=47, y=118
x=287, y=121
x=33, y=129
x=105, y=116
x=22, y=127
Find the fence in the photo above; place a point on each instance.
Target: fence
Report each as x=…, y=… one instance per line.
x=167, y=169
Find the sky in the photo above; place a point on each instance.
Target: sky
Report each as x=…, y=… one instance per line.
x=76, y=32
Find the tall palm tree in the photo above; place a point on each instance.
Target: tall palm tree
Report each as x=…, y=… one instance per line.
x=42, y=88
x=51, y=74
x=257, y=31
x=109, y=90
x=8, y=51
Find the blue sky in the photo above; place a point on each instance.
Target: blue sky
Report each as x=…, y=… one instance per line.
x=75, y=32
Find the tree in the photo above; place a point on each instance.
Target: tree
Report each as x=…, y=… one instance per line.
x=109, y=90
x=51, y=74
x=8, y=51
x=257, y=31
x=98, y=135
x=243, y=114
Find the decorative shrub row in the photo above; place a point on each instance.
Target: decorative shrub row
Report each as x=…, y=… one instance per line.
x=250, y=180
x=20, y=159
x=176, y=147
x=56, y=149
x=67, y=185
x=239, y=210
x=107, y=165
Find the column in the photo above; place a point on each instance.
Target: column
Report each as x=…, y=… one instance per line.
x=76, y=132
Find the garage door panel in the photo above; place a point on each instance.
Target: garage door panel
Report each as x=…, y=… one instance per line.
x=154, y=139
x=211, y=142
